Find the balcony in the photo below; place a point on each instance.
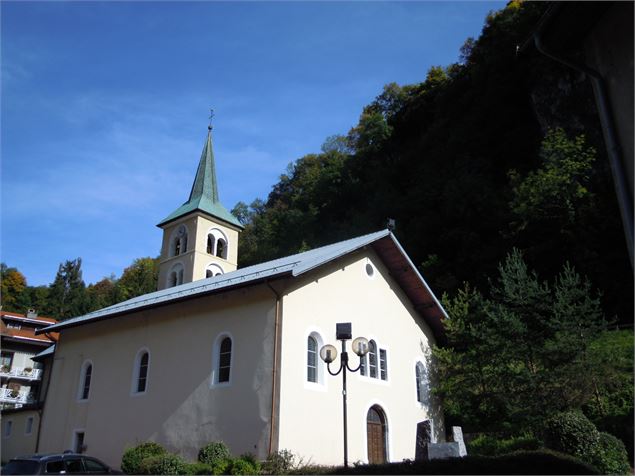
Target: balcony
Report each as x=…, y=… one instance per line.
x=16, y=397
x=21, y=373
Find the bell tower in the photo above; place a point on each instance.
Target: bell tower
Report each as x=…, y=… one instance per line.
x=200, y=238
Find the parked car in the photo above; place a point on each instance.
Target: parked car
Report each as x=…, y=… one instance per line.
x=60, y=463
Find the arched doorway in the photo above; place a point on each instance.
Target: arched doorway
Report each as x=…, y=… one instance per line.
x=376, y=435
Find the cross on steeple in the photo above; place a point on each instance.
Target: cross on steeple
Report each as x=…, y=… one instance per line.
x=211, y=116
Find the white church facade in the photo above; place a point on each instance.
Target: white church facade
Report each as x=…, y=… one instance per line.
x=226, y=354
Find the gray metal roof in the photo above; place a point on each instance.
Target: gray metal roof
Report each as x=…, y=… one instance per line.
x=48, y=351
x=293, y=265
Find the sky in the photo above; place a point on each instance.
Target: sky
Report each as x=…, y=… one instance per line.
x=104, y=107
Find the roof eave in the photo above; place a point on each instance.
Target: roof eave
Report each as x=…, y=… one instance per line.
x=167, y=221
x=68, y=325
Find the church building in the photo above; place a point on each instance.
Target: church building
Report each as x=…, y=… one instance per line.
x=219, y=353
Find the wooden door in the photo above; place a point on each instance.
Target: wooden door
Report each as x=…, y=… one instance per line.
x=376, y=436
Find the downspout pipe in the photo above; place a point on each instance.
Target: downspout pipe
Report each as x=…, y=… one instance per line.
x=274, y=369
x=624, y=198
x=42, y=399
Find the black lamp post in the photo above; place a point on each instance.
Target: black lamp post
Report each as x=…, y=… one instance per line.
x=328, y=353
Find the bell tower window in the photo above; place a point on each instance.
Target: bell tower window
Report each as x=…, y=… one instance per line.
x=175, y=276
x=178, y=242
x=217, y=243
x=221, y=248
x=213, y=270
x=210, y=244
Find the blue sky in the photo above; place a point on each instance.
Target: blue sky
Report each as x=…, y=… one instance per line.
x=104, y=107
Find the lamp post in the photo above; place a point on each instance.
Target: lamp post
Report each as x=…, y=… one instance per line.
x=328, y=353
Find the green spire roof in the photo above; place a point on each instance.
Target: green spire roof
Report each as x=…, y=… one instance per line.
x=204, y=194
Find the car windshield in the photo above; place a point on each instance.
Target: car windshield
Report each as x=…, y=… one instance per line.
x=21, y=466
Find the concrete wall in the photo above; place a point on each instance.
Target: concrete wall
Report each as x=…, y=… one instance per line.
x=180, y=409
x=19, y=442
x=310, y=420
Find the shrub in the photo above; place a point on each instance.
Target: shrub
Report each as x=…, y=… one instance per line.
x=132, y=457
x=280, y=462
x=242, y=466
x=572, y=433
x=199, y=468
x=251, y=459
x=610, y=456
x=520, y=462
x=486, y=445
x=163, y=464
x=214, y=453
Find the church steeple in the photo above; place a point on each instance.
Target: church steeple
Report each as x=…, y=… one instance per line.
x=200, y=238
x=204, y=193
x=205, y=181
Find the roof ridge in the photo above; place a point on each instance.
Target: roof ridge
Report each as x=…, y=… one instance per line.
x=300, y=262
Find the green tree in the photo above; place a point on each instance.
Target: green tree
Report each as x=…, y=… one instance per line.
x=38, y=298
x=67, y=295
x=139, y=278
x=14, y=289
x=560, y=187
x=102, y=293
x=522, y=353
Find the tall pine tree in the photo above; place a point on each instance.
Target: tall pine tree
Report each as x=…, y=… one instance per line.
x=67, y=294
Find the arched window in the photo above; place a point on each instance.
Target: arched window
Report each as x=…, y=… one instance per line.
x=420, y=381
x=312, y=360
x=221, y=248
x=175, y=276
x=223, y=358
x=178, y=241
x=210, y=244
x=213, y=270
x=140, y=371
x=85, y=377
x=217, y=243
x=372, y=359
x=315, y=367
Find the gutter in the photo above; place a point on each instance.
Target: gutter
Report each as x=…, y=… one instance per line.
x=274, y=369
x=606, y=117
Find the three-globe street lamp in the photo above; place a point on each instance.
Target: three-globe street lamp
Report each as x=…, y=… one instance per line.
x=328, y=353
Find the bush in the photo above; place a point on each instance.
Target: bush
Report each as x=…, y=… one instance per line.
x=521, y=462
x=610, y=456
x=199, y=468
x=280, y=462
x=132, y=457
x=163, y=464
x=572, y=433
x=242, y=466
x=486, y=445
x=214, y=453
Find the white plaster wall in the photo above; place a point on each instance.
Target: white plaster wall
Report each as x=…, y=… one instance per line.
x=19, y=443
x=179, y=410
x=202, y=259
x=187, y=258
x=310, y=420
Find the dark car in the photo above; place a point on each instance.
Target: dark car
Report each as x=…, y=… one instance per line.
x=60, y=463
